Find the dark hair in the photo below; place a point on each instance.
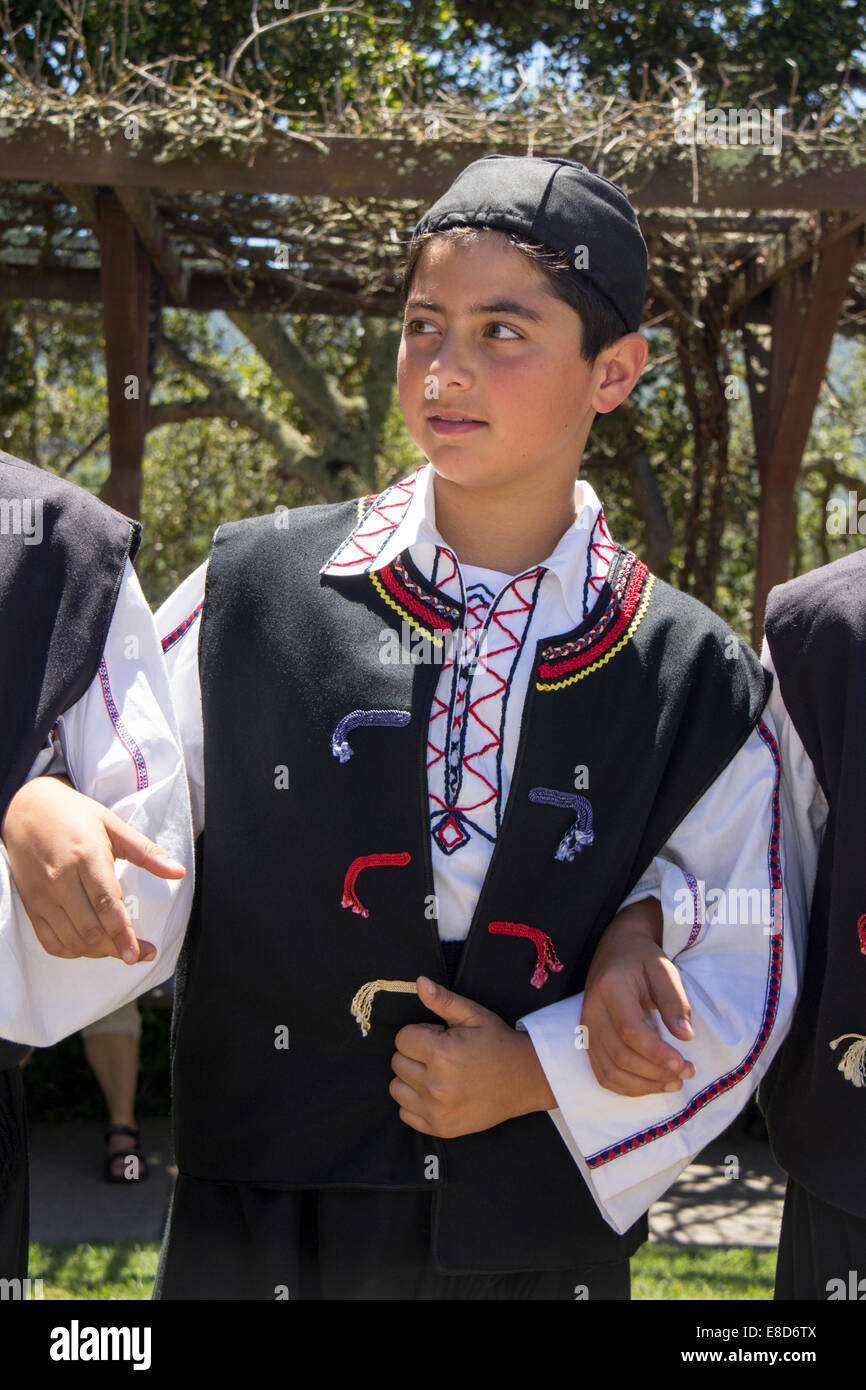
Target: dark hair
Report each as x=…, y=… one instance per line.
x=600, y=321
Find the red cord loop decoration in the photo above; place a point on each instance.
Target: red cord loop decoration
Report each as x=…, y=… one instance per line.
x=861, y=932
x=547, y=957
x=367, y=861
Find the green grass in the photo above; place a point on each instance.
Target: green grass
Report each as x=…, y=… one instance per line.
x=659, y=1272
x=125, y=1270
x=668, y=1272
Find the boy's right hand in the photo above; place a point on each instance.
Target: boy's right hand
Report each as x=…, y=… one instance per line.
x=61, y=847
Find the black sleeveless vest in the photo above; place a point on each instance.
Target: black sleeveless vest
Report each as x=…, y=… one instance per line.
x=297, y=815
x=62, y=554
x=816, y=630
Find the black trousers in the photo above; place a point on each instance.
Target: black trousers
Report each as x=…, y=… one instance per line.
x=229, y=1241
x=14, y=1177
x=820, y=1246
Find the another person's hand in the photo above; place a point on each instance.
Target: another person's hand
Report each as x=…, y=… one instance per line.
x=468, y=1076
x=629, y=976
x=61, y=847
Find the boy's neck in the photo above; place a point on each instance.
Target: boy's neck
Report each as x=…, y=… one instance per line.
x=505, y=529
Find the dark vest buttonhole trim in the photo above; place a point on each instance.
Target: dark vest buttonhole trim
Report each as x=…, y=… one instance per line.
x=853, y=1061
x=368, y=861
x=362, y=1004
x=581, y=833
x=547, y=959
x=373, y=718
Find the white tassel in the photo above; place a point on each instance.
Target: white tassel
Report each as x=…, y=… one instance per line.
x=362, y=1003
x=853, y=1063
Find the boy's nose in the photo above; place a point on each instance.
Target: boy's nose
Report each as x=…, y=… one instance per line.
x=451, y=368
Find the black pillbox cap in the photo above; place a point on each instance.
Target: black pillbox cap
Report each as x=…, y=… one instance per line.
x=562, y=205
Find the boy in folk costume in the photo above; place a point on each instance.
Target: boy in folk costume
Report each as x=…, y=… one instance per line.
x=447, y=732
x=73, y=628
x=814, y=1096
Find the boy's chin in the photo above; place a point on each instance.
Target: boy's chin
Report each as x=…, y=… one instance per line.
x=462, y=468
x=464, y=463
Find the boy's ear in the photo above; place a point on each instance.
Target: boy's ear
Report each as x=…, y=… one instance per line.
x=622, y=364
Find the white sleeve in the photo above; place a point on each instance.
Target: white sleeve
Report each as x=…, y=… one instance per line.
x=731, y=889
x=121, y=747
x=804, y=805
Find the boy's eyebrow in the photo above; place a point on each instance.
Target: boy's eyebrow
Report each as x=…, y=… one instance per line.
x=500, y=306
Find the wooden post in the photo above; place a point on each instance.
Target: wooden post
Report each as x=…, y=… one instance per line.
x=805, y=307
x=125, y=278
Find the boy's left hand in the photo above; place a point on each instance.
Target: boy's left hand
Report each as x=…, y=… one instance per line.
x=468, y=1076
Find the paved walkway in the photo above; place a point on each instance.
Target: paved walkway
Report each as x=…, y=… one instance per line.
x=71, y=1201
x=732, y=1195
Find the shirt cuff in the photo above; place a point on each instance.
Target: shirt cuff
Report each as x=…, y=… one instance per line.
x=590, y=1119
x=682, y=898
x=647, y=886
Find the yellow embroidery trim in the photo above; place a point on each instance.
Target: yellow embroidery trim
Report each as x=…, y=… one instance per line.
x=362, y=1003
x=853, y=1063
x=380, y=588
x=627, y=636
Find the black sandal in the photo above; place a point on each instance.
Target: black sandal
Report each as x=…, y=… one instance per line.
x=139, y=1172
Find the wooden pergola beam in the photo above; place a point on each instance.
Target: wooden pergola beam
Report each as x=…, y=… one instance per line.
x=83, y=198
x=760, y=223
x=210, y=291
x=125, y=285
x=349, y=166
x=804, y=311
x=800, y=282
x=207, y=291
x=772, y=260
x=142, y=213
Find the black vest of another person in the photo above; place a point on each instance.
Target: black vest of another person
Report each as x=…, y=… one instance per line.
x=62, y=555
x=642, y=694
x=816, y=630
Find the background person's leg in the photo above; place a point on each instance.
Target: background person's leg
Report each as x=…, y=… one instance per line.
x=111, y=1047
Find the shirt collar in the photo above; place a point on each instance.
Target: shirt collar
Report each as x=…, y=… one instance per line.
x=403, y=518
x=391, y=525
x=582, y=556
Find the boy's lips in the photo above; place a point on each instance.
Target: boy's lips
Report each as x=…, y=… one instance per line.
x=453, y=423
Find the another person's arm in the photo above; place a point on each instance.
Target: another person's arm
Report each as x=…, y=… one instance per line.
x=121, y=749
x=614, y=1000
x=728, y=859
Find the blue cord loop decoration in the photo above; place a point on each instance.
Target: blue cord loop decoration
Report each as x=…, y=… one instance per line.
x=378, y=718
x=581, y=833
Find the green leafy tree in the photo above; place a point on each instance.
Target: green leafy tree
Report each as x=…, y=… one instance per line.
x=739, y=48
x=323, y=52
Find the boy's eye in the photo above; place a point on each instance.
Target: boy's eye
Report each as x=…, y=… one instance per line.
x=508, y=329
x=414, y=326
